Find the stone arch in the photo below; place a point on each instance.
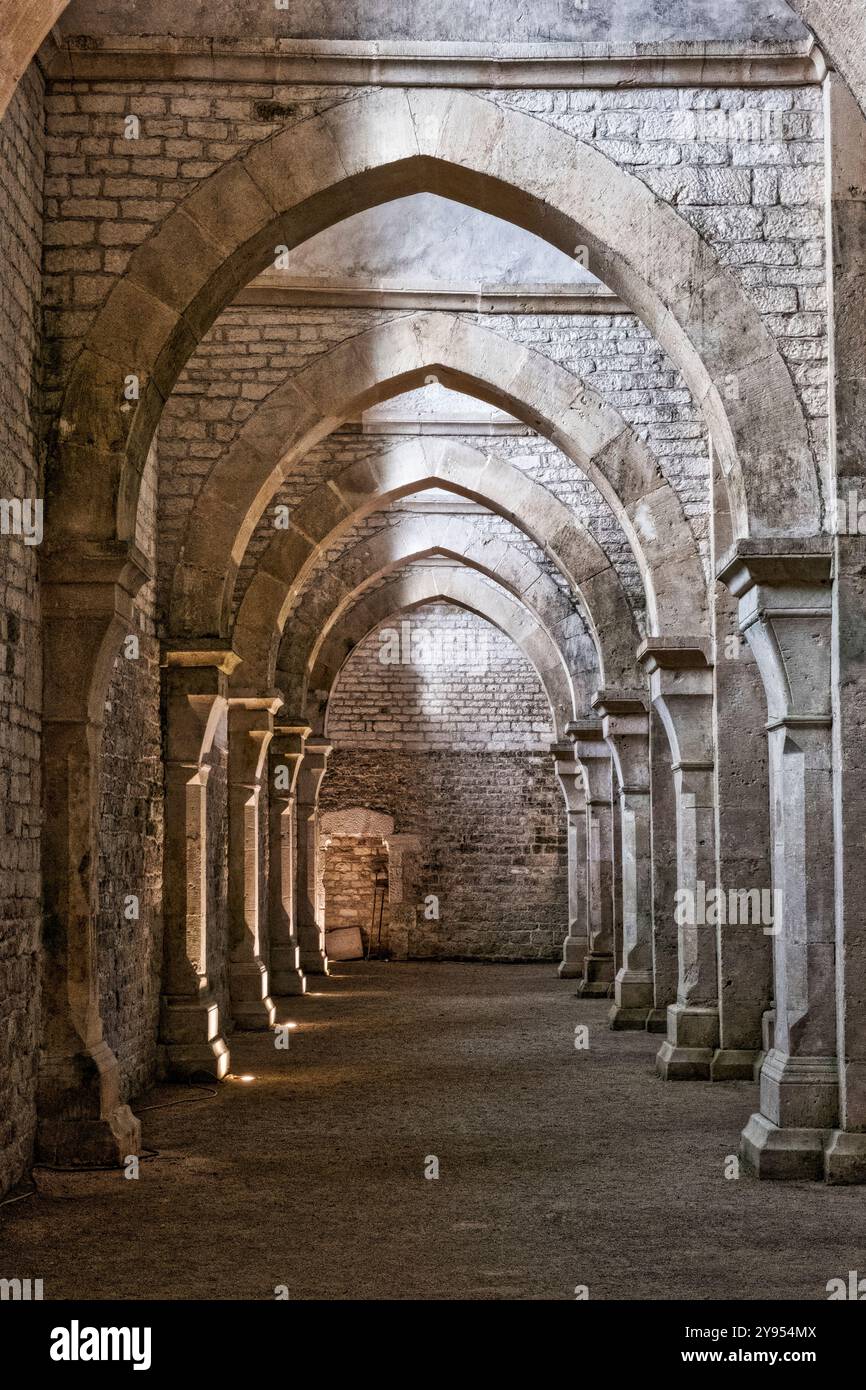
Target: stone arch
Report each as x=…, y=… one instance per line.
x=25, y=25
x=387, y=144
x=394, y=357
x=321, y=662
x=413, y=466
x=357, y=820
x=840, y=28
x=409, y=543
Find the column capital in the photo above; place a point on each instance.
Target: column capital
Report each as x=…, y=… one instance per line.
x=287, y=746
x=317, y=750
x=267, y=704
x=593, y=755
x=674, y=654
x=200, y=653
x=250, y=732
x=194, y=700
x=318, y=747
x=793, y=563
x=291, y=727
x=681, y=684
x=784, y=590
x=625, y=725
x=95, y=565
x=620, y=702
x=289, y=741
x=584, y=731
x=569, y=775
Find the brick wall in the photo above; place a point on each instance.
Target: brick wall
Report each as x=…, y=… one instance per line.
x=250, y=352
x=21, y=171
x=492, y=851
x=459, y=757
x=130, y=864
x=131, y=831
x=350, y=865
x=457, y=682
x=743, y=166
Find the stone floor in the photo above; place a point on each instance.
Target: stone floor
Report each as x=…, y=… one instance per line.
x=557, y=1167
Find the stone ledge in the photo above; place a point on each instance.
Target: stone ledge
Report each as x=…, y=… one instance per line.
x=419, y=64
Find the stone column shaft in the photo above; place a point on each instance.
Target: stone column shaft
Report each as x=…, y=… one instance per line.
x=250, y=732
x=310, y=917
x=570, y=778
x=625, y=726
x=845, y=153
x=743, y=851
x=593, y=756
x=285, y=756
x=681, y=685
x=403, y=888
x=87, y=608
x=194, y=711
x=785, y=612
x=664, y=876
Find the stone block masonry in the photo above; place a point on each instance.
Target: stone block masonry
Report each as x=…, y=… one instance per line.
x=742, y=166
x=493, y=851
x=351, y=863
x=459, y=758
x=21, y=176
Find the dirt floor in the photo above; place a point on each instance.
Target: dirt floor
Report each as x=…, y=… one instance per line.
x=557, y=1167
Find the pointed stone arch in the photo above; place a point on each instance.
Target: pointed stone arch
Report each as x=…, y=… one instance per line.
x=464, y=588
x=397, y=356
x=410, y=542
x=386, y=144
x=413, y=466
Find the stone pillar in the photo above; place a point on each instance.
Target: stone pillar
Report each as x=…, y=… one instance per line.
x=784, y=596
x=664, y=876
x=285, y=756
x=310, y=914
x=87, y=609
x=743, y=858
x=570, y=779
x=194, y=711
x=250, y=731
x=625, y=725
x=403, y=889
x=845, y=147
x=681, y=684
x=593, y=755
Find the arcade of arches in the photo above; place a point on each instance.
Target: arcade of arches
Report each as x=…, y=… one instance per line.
x=432, y=496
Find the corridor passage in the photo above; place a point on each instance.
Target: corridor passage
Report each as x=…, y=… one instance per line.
x=558, y=1167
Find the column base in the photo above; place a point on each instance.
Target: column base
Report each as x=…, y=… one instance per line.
x=82, y=1141
x=314, y=963
x=81, y=1120
x=783, y=1153
x=192, y=1042
x=627, y=1020
x=800, y=1092
x=597, y=982
x=252, y=1007
x=633, y=995
x=735, y=1064
x=286, y=975
x=657, y=1021
x=573, y=958
x=845, y=1157
x=255, y=1015
x=693, y=1036
x=182, y=1061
